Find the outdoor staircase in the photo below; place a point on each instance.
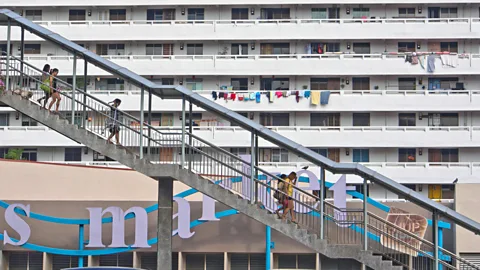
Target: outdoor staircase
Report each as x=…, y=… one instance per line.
x=205, y=186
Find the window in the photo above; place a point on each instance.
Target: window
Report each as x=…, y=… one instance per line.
x=296, y=261
x=120, y=259
x=361, y=83
x=159, y=49
x=194, y=84
x=4, y=117
x=76, y=15
x=63, y=262
x=73, y=154
x=361, y=119
x=275, y=48
x=443, y=119
x=118, y=14
x=28, y=122
x=167, y=81
x=274, y=84
x=160, y=119
x=25, y=260
x=407, y=155
x=361, y=48
x=239, y=151
x=99, y=157
x=110, y=84
x=325, y=83
x=3, y=152
x=204, y=261
x=331, y=153
x=148, y=260
x=407, y=83
x=273, y=155
x=29, y=154
x=449, y=47
x=359, y=189
x=361, y=12
x=442, y=155
x=406, y=12
x=196, y=14
x=239, y=49
x=406, y=47
x=321, y=48
x=407, y=120
x=279, y=155
x=239, y=13
x=243, y=261
x=319, y=13
x=324, y=119
x=32, y=48
x=448, y=13
x=194, y=49
x=115, y=84
x=160, y=14
x=33, y=15
x=275, y=13
x=239, y=83
x=275, y=119
x=361, y=155
x=111, y=49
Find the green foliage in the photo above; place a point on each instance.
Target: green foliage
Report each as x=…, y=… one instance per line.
x=14, y=154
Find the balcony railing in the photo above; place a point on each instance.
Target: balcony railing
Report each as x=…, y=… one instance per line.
x=406, y=173
x=262, y=29
x=331, y=64
x=317, y=137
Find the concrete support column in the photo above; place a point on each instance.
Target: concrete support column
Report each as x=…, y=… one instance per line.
x=181, y=261
x=47, y=261
x=164, y=223
x=93, y=261
x=226, y=261
x=137, y=260
x=3, y=259
x=318, y=263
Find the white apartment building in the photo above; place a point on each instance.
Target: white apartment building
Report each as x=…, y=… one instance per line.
x=416, y=125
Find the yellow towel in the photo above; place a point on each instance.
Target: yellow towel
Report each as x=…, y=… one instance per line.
x=315, y=98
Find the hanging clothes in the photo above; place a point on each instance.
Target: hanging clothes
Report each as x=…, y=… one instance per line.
x=421, y=60
x=214, y=95
x=247, y=97
x=221, y=95
x=252, y=96
x=297, y=96
x=324, y=97
x=241, y=97
x=233, y=96
x=431, y=63
x=258, y=97
x=315, y=98
x=278, y=94
x=270, y=96
x=414, y=59
x=307, y=93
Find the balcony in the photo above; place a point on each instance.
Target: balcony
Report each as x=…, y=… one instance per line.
x=297, y=29
x=405, y=173
x=334, y=137
x=266, y=65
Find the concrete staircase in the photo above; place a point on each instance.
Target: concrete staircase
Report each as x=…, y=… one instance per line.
x=99, y=144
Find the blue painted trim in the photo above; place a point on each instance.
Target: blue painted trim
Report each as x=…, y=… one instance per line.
x=268, y=246
x=81, y=232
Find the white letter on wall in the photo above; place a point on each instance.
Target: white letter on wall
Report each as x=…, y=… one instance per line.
x=17, y=224
x=183, y=218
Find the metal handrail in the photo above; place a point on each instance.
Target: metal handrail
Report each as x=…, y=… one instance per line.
x=179, y=92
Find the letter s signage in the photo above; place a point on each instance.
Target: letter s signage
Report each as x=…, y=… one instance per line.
x=17, y=224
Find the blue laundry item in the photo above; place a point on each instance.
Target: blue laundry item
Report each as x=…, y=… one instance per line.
x=214, y=95
x=307, y=93
x=431, y=63
x=324, y=97
x=252, y=96
x=258, y=97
